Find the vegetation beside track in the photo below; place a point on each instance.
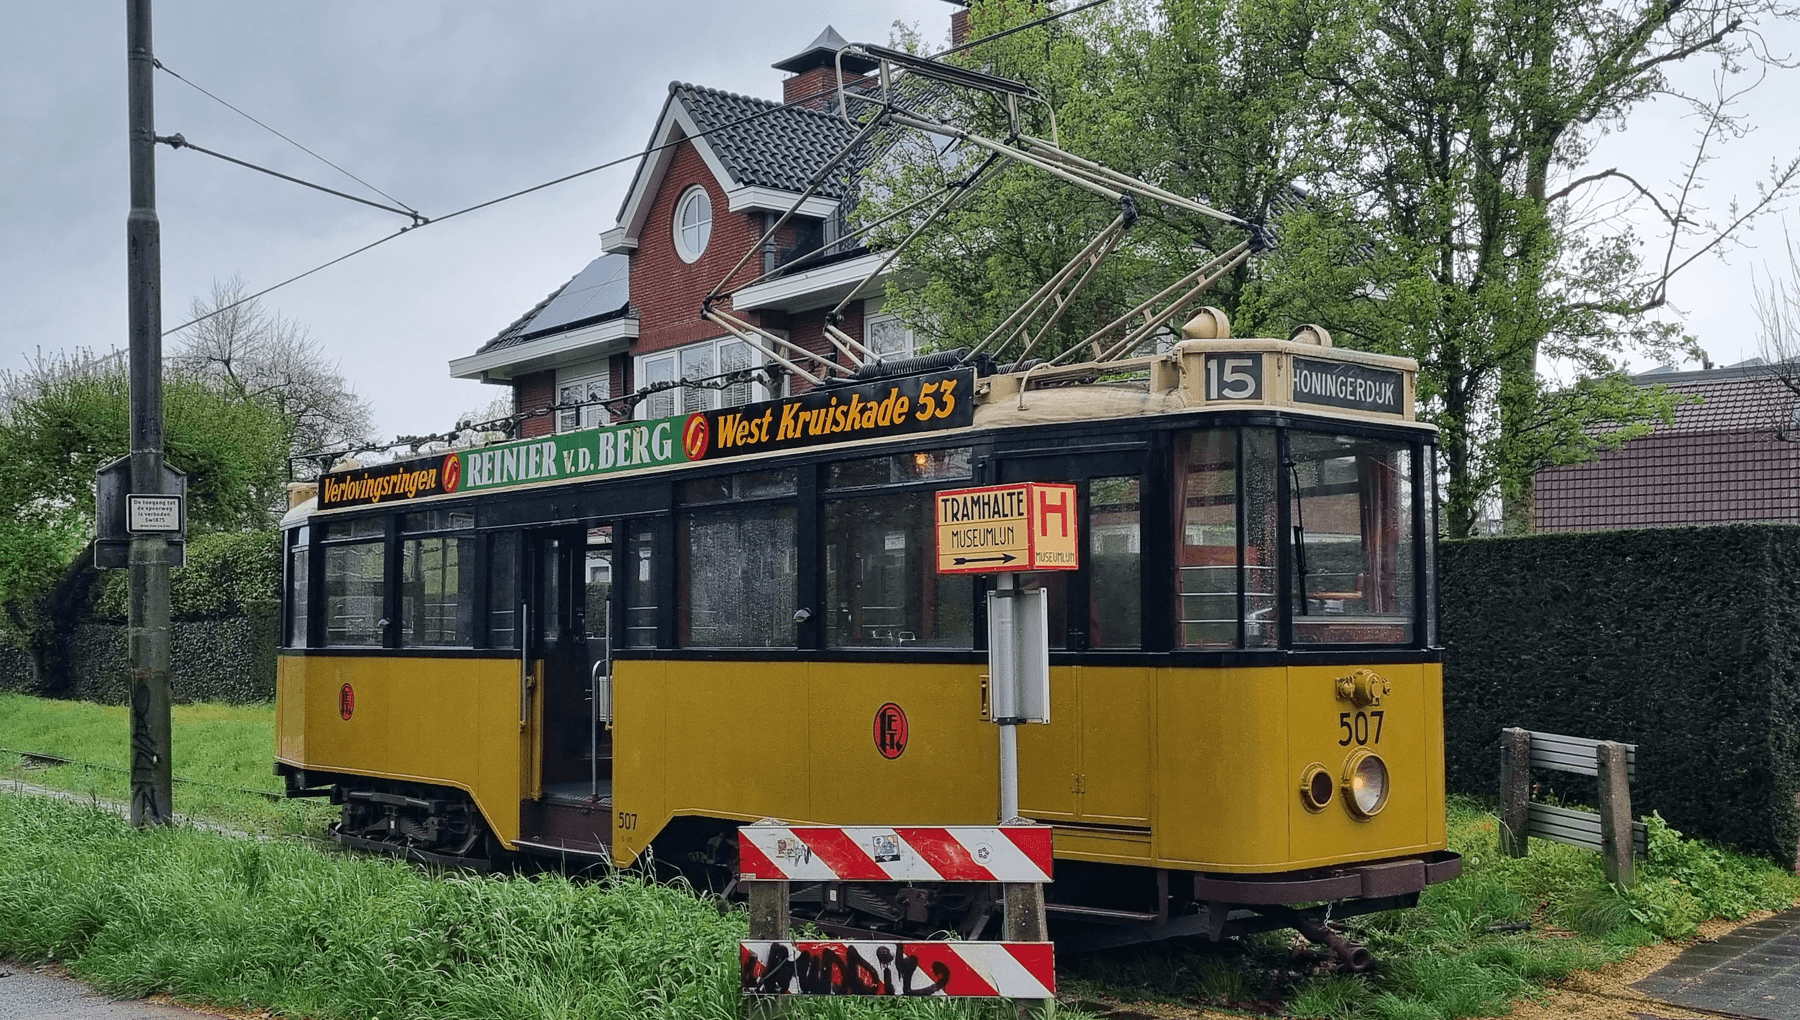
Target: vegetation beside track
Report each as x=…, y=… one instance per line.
x=284, y=926
x=1474, y=945
x=224, y=757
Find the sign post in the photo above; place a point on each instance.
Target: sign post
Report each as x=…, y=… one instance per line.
x=1005, y=530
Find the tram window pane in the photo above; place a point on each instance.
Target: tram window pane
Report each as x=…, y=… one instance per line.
x=437, y=592
x=503, y=590
x=1206, y=576
x=1115, y=594
x=361, y=527
x=438, y=520
x=882, y=588
x=1262, y=537
x=1353, y=537
x=597, y=575
x=639, y=579
x=748, y=485
x=353, y=593
x=737, y=578
x=299, y=560
x=920, y=466
x=550, y=580
x=1430, y=543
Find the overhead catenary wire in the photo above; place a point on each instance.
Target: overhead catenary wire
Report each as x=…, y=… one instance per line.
x=971, y=44
x=178, y=141
x=166, y=69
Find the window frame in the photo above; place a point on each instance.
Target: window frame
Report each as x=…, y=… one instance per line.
x=591, y=411
x=679, y=227
x=645, y=369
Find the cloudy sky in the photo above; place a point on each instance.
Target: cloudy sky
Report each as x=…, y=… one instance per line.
x=443, y=104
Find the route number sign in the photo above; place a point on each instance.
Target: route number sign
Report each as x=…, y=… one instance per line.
x=1000, y=529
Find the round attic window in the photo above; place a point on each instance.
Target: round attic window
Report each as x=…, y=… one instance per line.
x=693, y=223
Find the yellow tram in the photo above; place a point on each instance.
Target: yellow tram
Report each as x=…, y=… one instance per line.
x=621, y=643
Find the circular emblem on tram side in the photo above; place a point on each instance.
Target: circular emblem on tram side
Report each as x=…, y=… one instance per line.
x=696, y=436
x=890, y=731
x=346, y=701
x=452, y=472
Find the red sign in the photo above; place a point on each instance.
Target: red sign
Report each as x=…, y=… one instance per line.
x=346, y=701
x=696, y=437
x=452, y=471
x=890, y=731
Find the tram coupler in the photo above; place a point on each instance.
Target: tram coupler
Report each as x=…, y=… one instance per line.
x=1355, y=958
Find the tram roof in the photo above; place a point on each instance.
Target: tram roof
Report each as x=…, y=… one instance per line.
x=1231, y=375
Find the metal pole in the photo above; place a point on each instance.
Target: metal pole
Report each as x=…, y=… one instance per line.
x=1009, y=728
x=151, y=770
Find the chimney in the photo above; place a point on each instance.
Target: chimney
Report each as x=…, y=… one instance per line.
x=959, y=28
x=814, y=71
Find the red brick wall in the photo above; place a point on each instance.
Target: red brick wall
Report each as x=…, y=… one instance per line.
x=808, y=330
x=665, y=290
x=818, y=85
x=534, y=393
x=1655, y=481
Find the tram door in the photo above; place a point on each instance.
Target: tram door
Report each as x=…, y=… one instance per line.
x=570, y=593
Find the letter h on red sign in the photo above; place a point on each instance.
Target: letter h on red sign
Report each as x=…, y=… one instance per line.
x=1060, y=508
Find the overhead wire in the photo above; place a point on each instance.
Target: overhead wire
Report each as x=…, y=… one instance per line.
x=758, y=115
x=166, y=69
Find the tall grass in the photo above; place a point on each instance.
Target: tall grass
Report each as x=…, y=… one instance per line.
x=283, y=926
x=223, y=759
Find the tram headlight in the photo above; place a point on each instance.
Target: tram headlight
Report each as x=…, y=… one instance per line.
x=1365, y=783
x=1316, y=787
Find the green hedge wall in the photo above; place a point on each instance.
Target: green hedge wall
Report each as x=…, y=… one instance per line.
x=1684, y=641
x=227, y=574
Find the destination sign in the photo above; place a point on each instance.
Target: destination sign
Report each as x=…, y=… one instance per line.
x=877, y=410
x=564, y=457
x=1338, y=384
x=1002, y=528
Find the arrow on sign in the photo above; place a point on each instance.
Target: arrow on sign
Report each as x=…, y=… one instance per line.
x=1007, y=558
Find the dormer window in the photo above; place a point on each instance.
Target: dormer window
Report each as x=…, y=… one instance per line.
x=693, y=223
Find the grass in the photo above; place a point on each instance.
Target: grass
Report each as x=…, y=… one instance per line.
x=1453, y=956
x=225, y=753
x=283, y=926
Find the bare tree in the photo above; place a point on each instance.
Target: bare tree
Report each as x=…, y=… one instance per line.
x=1778, y=329
x=261, y=357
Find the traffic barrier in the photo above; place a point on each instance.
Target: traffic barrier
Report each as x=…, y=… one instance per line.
x=1011, y=970
x=1018, y=857
x=964, y=853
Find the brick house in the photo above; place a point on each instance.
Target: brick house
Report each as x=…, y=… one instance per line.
x=1734, y=455
x=711, y=189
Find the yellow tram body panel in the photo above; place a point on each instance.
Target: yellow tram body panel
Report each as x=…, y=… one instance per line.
x=1188, y=768
x=442, y=721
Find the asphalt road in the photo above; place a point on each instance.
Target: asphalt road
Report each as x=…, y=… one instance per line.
x=26, y=994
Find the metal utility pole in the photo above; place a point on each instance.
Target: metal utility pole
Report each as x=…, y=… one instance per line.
x=151, y=774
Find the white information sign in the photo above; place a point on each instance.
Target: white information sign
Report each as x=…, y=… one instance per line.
x=159, y=514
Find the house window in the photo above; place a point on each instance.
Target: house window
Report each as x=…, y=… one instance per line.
x=706, y=365
x=579, y=402
x=693, y=223
x=888, y=337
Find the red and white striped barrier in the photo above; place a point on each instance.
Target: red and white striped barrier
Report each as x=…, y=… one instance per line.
x=1012, y=970
x=874, y=853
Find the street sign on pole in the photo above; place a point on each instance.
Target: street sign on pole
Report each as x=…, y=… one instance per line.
x=999, y=529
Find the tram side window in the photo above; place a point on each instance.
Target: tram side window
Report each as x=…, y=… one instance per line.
x=1115, y=597
x=354, y=588
x=437, y=591
x=1353, y=535
x=298, y=572
x=882, y=589
x=737, y=577
x=1206, y=575
x=637, y=574
x=503, y=590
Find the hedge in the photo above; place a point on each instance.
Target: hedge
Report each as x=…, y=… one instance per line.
x=227, y=574
x=1684, y=641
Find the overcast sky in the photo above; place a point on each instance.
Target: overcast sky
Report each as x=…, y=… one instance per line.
x=443, y=104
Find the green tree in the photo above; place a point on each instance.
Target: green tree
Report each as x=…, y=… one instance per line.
x=1418, y=162
x=60, y=421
